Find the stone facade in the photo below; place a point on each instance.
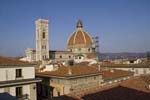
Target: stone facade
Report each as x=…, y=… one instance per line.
x=30, y=55
x=71, y=79
x=61, y=55
x=42, y=40
x=74, y=85
x=80, y=43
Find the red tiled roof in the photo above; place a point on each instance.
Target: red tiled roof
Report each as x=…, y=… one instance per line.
x=109, y=74
x=118, y=93
x=146, y=79
x=91, y=55
x=80, y=38
x=75, y=70
x=135, y=83
x=11, y=61
x=108, y=64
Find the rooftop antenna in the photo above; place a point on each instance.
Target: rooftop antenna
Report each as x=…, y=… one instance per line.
x=96, y=44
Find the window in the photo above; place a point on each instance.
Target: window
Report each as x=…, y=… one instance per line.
x=43, y=35
x=58, y=93
x=79, y=57
x=89, y=49
x=18, y=91
x=136, y=71
x=18, y=73
x=60, y=56
x=43, y=46
x=44, y=57
x=69, y=56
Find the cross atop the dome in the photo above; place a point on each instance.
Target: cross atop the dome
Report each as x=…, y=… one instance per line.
x=79, y=24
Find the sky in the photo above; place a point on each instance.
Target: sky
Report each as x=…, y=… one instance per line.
x=122, y=25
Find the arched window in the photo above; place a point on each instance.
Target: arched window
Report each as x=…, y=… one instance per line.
x=43, y=35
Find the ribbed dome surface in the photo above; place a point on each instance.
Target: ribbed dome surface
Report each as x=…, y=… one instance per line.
x=79, y=37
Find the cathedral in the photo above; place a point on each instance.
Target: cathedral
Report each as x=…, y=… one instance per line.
x=80, y=45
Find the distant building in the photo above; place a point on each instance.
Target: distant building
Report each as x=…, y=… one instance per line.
x=80, y=43
x=18, y=79
x=133, y=88
x=42, y=40
x=61, y=55
x=132, y=61
x=71, y=79
x=112, y=76
x=80, y=46
x=138, y=69
x=30, y=55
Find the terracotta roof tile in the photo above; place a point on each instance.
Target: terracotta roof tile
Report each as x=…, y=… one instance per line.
x=135, y=83
x=80, y=38
x=110, y=74
x=11, y=61
x=91, y=55
x=75, y=70
x=104, y=64
x=146, y=79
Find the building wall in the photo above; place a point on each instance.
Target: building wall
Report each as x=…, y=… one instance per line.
x=33, y=92
x=85, y=83
x=61, y=56
x=42, y=39
x=30, y=55
x=66, y=86
x=10, y=73
x=116, y=80
x=82, y=50
x=1, y=90
x=26, y=89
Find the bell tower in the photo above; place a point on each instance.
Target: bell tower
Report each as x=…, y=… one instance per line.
x=42, y=39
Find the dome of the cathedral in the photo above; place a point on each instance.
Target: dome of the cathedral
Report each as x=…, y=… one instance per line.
x=79, y=38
